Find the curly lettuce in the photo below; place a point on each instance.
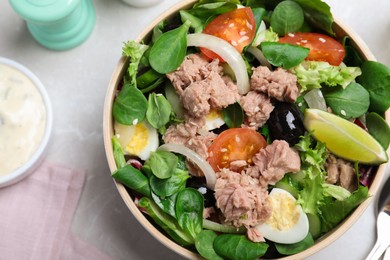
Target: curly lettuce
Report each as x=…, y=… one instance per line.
x=314, y=74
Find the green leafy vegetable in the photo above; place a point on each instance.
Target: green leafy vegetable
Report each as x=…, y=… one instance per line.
x=205, y=10
x=162, y=163
x=169, y=50
x=148, y=78
x=290, y=249
x=376, y=79
x=133, y=178
x=166, y=222
x=158, y=30
x=196, y=23
x=189, y=211
x=318, y=14
x=378, y=128
x=284, y=55
x=170, y=186
x=334, y=211
x=134, y=51
x=233, y=115
x=238, y=247
x=335, y=191
x=204, y=244
x=159, y=111
x=130, y=105
x=119, y=156
x=313, y=155
x=351, y=102
x=312, y=74
x=287, y=17
x=167, y=204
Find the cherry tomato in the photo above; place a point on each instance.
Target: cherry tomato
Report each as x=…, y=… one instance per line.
x=234, y=144
x=322, y=47
x=238, y=27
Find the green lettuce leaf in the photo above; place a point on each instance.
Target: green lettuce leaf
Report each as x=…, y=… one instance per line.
x=312, y=74
x=334, y=211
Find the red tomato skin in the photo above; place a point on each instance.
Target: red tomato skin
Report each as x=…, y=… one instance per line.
x=234, y=144
x=237, y=27
x=322, y=47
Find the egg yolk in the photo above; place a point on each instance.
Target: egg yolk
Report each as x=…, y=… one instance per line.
x=138, y=141
x=285, y=213
x=214, y=114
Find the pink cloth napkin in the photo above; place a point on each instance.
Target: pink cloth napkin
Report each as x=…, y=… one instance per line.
x=36, y=215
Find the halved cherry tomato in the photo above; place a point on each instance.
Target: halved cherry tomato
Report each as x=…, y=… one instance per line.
x=235, y=144
x=322, y=47
x=238, y=27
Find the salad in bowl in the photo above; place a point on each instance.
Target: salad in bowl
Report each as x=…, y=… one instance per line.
x=247, y=129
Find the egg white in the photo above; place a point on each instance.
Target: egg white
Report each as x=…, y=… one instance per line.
x=138, y=139
x=214, y=120
x=280, y=227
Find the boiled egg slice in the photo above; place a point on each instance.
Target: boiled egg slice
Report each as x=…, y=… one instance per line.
x=214, y=120
x=138, y=139
x=288, y=223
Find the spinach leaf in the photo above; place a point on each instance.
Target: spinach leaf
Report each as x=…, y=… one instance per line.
x=130, y=105
x=378, y=128
x=287, y=17
x=376, y=79
x=238, y=247
x=189, y=211
x=284, y=55
x=167, y=204
x=170, y=186
x=204, y=244
x=318, y=14
x=159, y=110
x=162, y=163
x=169, y=50
x=290, y=249
x=166, y=222
x=133, y=178
x=334, y=211
x=119, y=156
x=351, y=102
x=233, y=115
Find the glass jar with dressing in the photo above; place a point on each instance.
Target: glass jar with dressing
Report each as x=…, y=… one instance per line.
x=25, y=121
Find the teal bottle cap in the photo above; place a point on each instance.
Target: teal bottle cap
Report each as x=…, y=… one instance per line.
x=57, y=24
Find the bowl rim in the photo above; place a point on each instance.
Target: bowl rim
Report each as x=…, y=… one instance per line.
x=37, y=156
x=341, y=29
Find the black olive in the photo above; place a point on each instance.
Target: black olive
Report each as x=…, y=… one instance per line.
x=286, y=123
x=200, y=185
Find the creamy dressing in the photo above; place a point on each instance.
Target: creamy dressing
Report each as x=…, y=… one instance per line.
x=22, y=119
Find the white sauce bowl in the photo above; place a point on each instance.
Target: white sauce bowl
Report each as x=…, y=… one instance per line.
x=34, y=158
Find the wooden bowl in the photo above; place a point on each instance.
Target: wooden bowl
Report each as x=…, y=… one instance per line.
x=108, y=132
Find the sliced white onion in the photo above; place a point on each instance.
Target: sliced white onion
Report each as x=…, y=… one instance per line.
x=260, y=34
x=315, y=99
x=226, y=52
x=195, y=158
x=259, y=56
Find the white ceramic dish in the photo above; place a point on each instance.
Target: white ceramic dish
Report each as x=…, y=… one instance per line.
x=36, y=156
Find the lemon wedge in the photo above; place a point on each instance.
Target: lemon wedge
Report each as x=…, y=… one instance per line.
x=343, y=138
